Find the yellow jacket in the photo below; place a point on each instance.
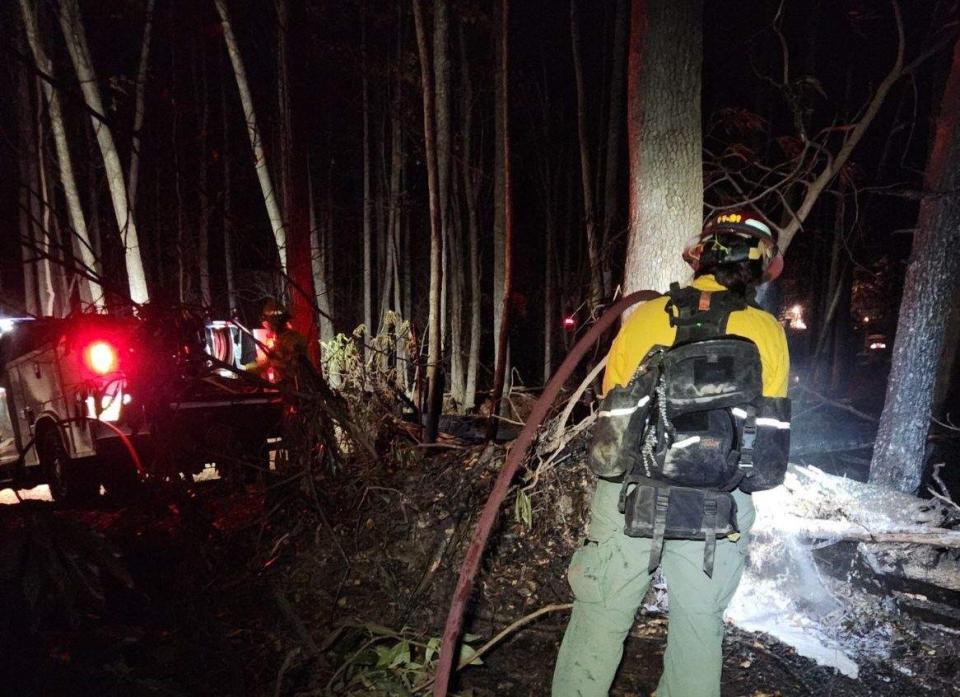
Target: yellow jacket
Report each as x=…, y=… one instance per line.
x=649, y=326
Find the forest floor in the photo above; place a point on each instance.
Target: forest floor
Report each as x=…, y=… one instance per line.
x=343, y=587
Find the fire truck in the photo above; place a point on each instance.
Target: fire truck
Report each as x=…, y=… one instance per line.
x=97, y=401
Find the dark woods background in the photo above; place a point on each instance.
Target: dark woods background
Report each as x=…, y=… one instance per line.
x=771, y=71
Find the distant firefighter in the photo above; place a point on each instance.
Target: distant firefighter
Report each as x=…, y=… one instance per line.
x=282, y=347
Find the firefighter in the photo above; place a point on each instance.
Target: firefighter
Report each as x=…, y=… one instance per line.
x=610, y=573
x=283, y=349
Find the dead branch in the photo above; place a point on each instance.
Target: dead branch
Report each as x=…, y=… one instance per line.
x=854, y=532
x=507, y=631
x=553, y=442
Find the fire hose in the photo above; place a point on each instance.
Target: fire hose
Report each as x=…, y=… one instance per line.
x=516, y=455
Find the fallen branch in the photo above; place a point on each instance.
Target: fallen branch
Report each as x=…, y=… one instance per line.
x=843, y=531
x=839, y=405
x=555, y=440
x=505, y=632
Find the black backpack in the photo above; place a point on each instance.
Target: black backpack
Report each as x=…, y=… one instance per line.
x=691, y=426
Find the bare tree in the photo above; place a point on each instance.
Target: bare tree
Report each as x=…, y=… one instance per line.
x=434, y=367
x=586, y=167
x=932, y=275
x=253, y=131
x=133, y=173
x=296, y=175
x=76, y=41
x=441, y=66
x=664, y=136
x=814, y=159
x=615, y=119
x=27, y=164
x=318, y=257
x=471, y=192
x=503, y=104
x=90, y=291
x=367, y=200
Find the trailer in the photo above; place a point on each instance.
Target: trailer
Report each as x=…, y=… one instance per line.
x=97, y=401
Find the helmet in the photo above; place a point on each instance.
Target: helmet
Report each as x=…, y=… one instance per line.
x=274, y=313
x=734, y=236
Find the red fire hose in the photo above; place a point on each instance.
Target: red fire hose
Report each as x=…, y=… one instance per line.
x=478, y=542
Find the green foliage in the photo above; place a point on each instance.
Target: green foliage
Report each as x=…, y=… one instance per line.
x=382, y=365
x=522, y=509
x=393, y=664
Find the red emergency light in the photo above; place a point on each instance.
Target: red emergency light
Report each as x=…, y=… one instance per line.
x=569, y=323
x=101, y=357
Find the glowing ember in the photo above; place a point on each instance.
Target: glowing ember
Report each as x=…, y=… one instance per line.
x=794, y=318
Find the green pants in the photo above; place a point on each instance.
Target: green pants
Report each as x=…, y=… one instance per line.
x=609, y=579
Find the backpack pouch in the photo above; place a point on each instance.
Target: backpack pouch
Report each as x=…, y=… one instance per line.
x=689, y=512
x=771, y=448
x=700, y=453
x=711, y=374
x=620, y=423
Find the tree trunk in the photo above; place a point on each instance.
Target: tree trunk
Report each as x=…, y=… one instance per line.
x=296, y=178
x=76, y=41
x=367, y=212
x=664, y=140
x=615, y=118
x=441, y=63
x=46, y=249
x=201, y=94
x=133, y=174
x=586, y=168
x=932, y=275
x=549, y=301
x=228, y=262
x=318, y=257
x=471, y=191
x=26, y=167
x=90, y=290
x=500, y=370
x=253, y=131
x=434, y=367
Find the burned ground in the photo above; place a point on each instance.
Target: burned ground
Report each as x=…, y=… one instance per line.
x=211, y=590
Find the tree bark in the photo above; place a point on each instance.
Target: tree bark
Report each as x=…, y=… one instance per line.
x=586, y=167
x=76, y=41
x=471, y=192
x=133, y=173
x=201, y=93
x=932, y=275
x=296, y=178
x=503, y=104
x=615, y=119
x=318, y=258
x=434, y=367
x=253, y=131
x=91, y=292
x=367, y=212
x=441, y=63
x=228, y=261
x=664, y=140
x=26, y=167
x=46, y=247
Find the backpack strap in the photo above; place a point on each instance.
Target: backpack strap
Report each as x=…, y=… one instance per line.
x=700, y=314
x=710, y=533
x=661, y=505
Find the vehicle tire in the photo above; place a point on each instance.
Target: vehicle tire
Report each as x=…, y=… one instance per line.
x=67, y=481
